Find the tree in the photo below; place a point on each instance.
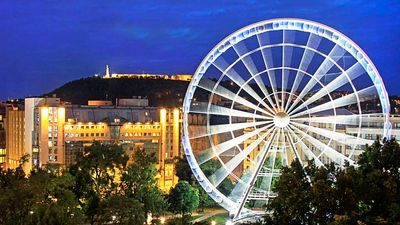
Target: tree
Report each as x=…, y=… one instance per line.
x=366, y=194
x=182, y=169
x=121, y=210
x=56, y=202
x=41, y=198
x=139, y=182
x=184, y=173
x=293, y=203
x=209, y=169
x=101, y=165
x=97, y=172
x=183, y=198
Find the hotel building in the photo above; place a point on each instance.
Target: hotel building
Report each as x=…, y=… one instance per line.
x=52, y=132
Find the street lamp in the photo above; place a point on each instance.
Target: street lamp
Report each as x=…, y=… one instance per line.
x=213, y=222
x=162, y=220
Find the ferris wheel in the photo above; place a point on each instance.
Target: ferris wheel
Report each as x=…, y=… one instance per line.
x=270, y=93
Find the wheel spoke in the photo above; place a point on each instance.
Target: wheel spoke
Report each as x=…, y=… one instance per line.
x=259, y=80
x=227, y=70
x=209, y=85
x=312, y=42
x=225, y=146
x=253, y=177
x=307, y=151
x=335, y=156
x=353, y=119
x=202, y=108
x=241, y=50
x=225, y=170
x=268, y=61
x=325, y=66
x=352, y=73
x=363, y=95
x=337, y=136
x=202, y=131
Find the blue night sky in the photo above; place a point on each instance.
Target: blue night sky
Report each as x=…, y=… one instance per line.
x=44, y=44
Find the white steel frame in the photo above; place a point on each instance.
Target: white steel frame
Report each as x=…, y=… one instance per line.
x=275, y=139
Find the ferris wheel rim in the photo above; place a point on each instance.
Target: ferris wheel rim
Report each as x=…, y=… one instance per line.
x=368, y=66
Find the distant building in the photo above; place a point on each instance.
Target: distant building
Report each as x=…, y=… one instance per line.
x=373, y=129
x=2, y=135
x=181, y=77
x=14, y=135
x=52, y=132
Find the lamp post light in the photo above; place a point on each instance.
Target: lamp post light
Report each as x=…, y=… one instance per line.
x=162, y=220
x=213, y=223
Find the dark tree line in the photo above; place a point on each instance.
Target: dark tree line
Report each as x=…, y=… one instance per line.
x=160, y=92
x=366, y=194
x=101, y=188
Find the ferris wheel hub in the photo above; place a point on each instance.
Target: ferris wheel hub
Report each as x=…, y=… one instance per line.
x=281, y=119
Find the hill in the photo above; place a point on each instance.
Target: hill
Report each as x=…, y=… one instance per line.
x=160, y=92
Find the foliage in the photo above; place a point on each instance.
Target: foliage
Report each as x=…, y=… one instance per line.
x=121, y=210
x=183, y=198
x=182, y=169
x=43, y=198
x=162, y=92
x=139, y=182
x=209, y=169
x=366, y=194
x=184, y=173
x=101, y=188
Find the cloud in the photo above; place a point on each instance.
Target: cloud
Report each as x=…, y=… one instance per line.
x=133, y=31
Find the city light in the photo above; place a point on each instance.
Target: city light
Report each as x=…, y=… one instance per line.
x=275, y=99
x=162, y=220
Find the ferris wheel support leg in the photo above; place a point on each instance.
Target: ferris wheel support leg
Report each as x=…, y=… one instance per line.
x=252, y=180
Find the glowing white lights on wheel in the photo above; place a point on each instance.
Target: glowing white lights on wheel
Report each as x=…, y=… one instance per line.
x=272, y=92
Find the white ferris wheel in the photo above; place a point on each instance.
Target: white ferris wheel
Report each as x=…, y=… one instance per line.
x=272, y=92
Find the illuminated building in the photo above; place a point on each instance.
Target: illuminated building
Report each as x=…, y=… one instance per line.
x=2, y=136
x=14, y=130
x=44, y=121
x=181, y=77
x=372, y=130
x=52, y=132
